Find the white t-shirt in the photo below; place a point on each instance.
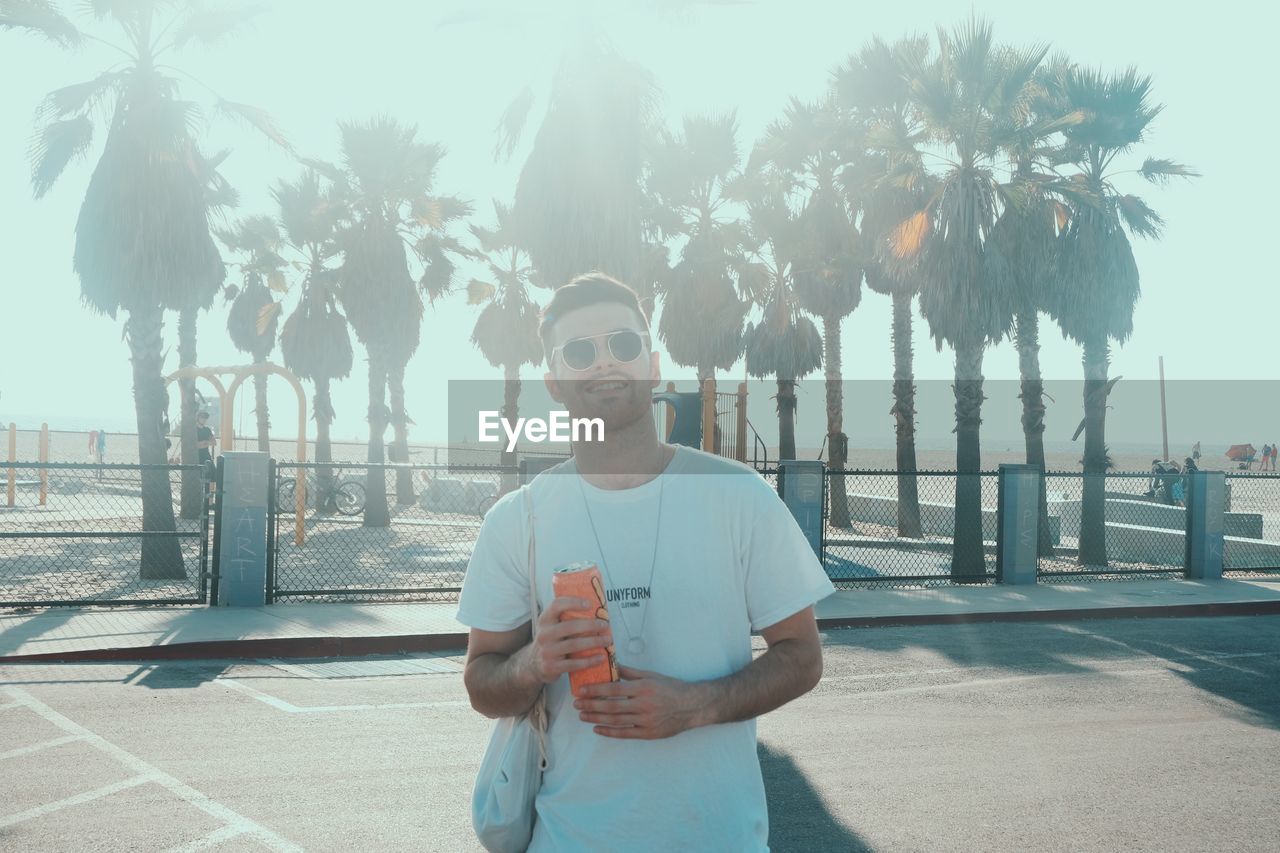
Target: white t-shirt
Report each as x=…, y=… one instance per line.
x=730, y=560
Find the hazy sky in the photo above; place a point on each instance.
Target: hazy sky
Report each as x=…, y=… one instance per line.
x=1208, y=302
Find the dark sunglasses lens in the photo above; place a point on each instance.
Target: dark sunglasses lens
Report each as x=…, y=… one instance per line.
x=625, y=346
x=579, y=355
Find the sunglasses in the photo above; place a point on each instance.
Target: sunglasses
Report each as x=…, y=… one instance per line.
x=580, y=353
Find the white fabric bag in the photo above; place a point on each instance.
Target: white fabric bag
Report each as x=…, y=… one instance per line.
x=502, y=811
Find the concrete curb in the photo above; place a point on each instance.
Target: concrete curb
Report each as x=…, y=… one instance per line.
x=310, y=647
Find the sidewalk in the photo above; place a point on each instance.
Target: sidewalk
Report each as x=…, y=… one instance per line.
x=341, y=630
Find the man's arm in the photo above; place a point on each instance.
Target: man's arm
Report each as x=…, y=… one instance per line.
x=505, y=669
x=648, y=705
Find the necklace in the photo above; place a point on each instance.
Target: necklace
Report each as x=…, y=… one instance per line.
x=635, y=640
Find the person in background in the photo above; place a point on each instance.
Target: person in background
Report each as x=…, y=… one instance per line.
x=1275, y=451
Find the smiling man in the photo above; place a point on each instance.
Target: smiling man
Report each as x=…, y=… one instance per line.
x=696, y=553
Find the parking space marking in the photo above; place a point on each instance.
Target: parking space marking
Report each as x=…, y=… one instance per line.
x=289, y=708
x=150, y=773
x=213, y=839
x=27, y=750
x=86, y=797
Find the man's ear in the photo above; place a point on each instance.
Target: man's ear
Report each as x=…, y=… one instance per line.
x=655, y=371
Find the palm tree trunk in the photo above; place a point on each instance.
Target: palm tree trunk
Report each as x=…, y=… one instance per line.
x=968, y=563
x=192, y=483
x=1027, y=333
x=837, y=441
x=400, y=440
x=786, y=418
x=260, y=409
x=322, y=408
x=904, y=416
x=1093, y=508
x=376, y=511
x=161, y=555
x=510, y=412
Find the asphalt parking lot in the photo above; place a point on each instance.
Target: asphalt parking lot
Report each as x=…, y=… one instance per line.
x=1157, y=734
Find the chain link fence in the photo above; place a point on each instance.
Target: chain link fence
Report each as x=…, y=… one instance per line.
x=420, y=555
x=79, y=534
x=1251, y=547
x=901, y=529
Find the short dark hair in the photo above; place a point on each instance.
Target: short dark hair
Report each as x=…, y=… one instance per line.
x=588, y=289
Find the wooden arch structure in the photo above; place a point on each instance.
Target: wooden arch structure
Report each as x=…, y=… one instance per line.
x=226, y=399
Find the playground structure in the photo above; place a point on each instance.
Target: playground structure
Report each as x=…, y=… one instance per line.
x=711, y=420
x=226, y=406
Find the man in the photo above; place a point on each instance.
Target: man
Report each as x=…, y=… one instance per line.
x=204, y=438
x=696, y=553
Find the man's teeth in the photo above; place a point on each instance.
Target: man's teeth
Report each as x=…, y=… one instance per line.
x=609, y=386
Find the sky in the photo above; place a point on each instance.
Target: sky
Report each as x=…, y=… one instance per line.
x=1208, y=286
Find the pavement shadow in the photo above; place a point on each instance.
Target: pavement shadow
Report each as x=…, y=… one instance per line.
x=799, y=819
x=1224, y=656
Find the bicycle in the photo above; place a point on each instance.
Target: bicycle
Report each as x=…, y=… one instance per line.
x=345, y=496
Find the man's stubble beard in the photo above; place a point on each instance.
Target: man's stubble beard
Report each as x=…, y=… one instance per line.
x=620, y=413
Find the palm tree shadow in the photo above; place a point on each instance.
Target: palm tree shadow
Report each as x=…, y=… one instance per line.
x=798, y=816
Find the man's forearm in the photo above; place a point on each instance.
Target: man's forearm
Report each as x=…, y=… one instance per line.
x=502, y=685
x=789, y=669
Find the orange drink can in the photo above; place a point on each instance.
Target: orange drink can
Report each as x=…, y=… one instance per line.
x=583, y=580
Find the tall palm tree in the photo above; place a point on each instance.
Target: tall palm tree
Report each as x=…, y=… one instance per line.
x=506, y=332
x=579, y=199
x=690, y=178
x=886, y=180
x=315, y=341
x=971, y=96
x=255, y=313
x=142, y=237
x=386, y=184
x=783, y=343
x=1097, y=283
x=812, y=145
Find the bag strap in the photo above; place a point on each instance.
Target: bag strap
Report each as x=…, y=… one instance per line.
x=538, y=713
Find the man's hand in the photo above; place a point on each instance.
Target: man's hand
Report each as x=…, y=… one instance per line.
x=644, y=705
x=548, y=655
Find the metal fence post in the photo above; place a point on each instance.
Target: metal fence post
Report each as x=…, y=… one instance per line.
x=1018, y=524
x=532, y=466
x=802, y=487
x=242, y=529
x=1206, y=499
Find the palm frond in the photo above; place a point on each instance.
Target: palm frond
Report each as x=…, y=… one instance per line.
x=54, y=147
x=81, y=98
x=511, y=124
x=1161, y=171
x=208, y=26
x=1139, y=217
x=256, y=118
x=42, y=18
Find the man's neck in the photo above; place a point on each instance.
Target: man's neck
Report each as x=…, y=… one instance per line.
x=628, y=457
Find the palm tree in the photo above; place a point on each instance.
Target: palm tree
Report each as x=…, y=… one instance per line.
x=971, y=97
x=784, y=343
x=578, y=200
x=887, y=181
x=1097, y=278
x=386, y=186
x=690, y=181
x=315, y=341
x=142, y=237
x=812, y=146
x=506, y=332
x=255, y=314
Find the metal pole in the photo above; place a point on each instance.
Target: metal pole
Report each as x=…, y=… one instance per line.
x=44, y=457
x=709, y=415
x=1164, y=420
x=13, y=456
x=741, y=450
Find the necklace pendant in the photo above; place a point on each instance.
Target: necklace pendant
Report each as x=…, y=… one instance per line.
x=635, y=646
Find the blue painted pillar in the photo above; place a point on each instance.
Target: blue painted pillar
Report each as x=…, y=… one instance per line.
x=1018, y=524
x=1206, y=505
x=242, y=530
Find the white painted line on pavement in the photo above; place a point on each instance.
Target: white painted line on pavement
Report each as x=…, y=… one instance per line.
x=152, y=773
x=213, y=839
x=5, y=706
x=988, y=682
x=86, y=797
x=27, y=750
x=289, y=708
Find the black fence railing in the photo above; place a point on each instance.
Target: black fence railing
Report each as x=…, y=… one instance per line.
x=421, y=554
x=1251, y=546
x=886, y=528
x=83, y=534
